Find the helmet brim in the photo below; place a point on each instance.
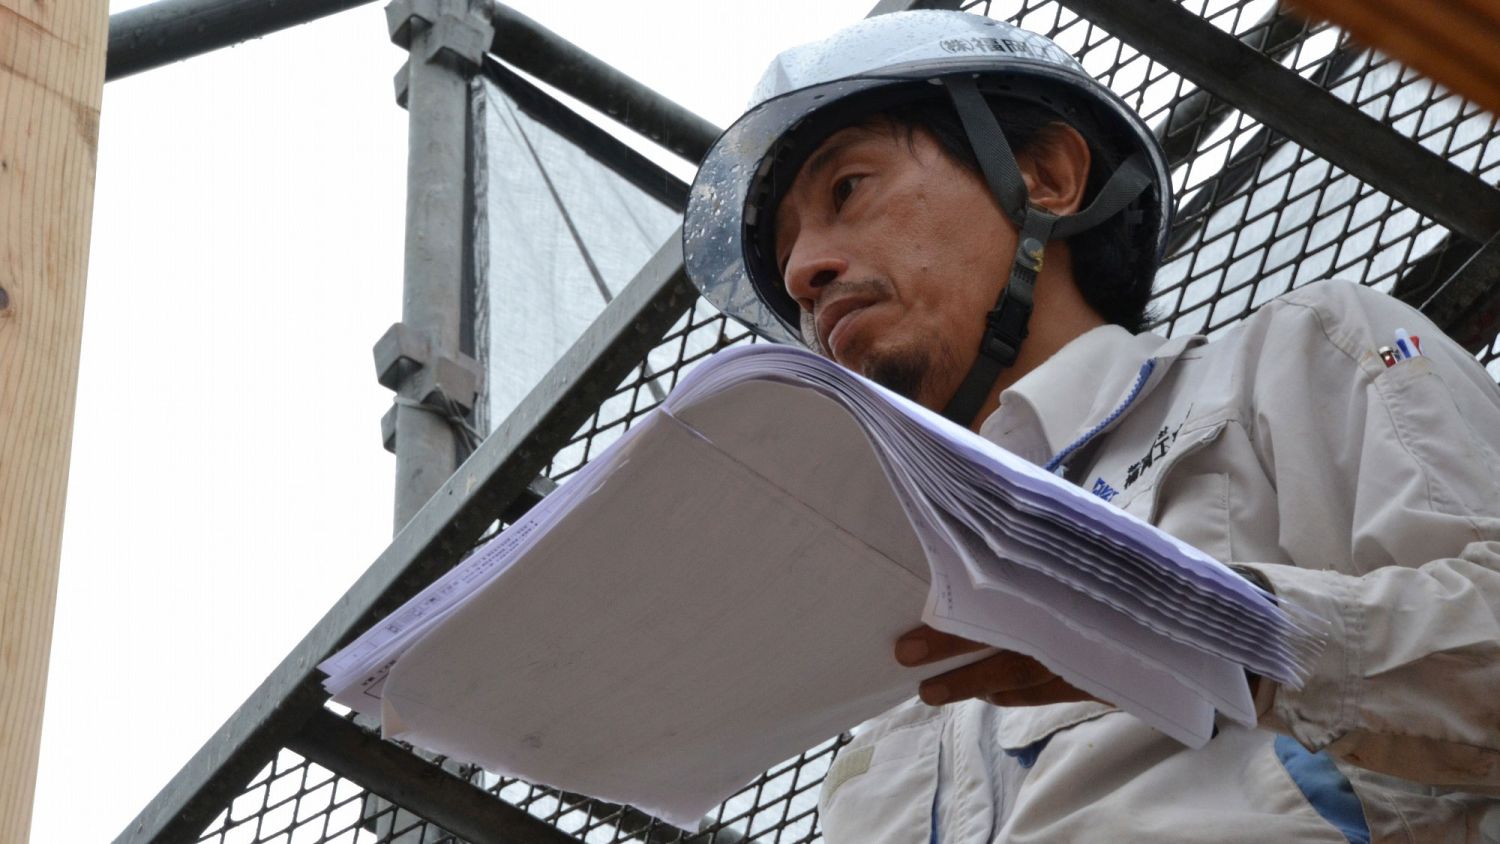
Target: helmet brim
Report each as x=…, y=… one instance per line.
x=716, y=227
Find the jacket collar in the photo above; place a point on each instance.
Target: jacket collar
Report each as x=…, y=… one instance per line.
x=1081, y=391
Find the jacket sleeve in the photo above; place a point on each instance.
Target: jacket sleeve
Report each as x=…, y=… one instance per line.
x=1402, y=463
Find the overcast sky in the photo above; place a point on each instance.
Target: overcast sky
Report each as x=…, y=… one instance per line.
x=228, y=481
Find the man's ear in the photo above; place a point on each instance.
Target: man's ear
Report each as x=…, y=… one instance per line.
x=1055, y=167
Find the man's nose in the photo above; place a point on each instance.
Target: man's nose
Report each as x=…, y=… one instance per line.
x=811, y=267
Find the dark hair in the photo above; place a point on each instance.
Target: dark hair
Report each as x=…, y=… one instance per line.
x=1113, y=262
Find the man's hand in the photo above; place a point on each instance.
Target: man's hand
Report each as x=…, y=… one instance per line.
x=1005, y=679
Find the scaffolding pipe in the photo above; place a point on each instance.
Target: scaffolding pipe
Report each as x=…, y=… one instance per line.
x=167, y=31
x=432, y=292
x=545, y=55
x=640, y=171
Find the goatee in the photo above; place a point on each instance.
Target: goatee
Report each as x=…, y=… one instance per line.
x=905, y=374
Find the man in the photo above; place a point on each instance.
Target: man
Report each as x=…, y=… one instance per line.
x=952, y=207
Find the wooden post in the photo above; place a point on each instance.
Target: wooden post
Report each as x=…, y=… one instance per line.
x=51, y=84
x=1451, y=42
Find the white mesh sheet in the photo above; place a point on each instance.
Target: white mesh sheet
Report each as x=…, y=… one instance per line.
x=557, y=236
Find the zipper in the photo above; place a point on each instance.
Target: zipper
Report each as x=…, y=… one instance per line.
x=1055, y=464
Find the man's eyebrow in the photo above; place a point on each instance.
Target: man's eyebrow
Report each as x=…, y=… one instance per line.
x=823, y=158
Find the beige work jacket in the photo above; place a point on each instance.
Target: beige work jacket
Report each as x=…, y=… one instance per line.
x=1366, y=494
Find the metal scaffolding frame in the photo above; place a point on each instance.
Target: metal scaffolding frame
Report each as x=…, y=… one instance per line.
x=443, y=508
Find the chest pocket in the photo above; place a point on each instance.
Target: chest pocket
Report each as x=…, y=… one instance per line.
x=1188, y=494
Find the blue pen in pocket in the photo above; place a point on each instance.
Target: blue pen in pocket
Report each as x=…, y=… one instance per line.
x=1404, y=343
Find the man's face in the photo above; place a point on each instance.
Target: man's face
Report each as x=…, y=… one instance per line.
x=895, y=253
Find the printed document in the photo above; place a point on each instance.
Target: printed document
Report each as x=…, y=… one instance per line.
x=722, y=589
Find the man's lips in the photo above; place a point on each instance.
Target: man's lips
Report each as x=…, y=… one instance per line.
x=834, y=315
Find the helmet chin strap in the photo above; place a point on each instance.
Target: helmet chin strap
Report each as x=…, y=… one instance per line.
x=1006, y=324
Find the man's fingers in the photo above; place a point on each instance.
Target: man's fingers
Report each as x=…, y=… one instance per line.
x=1004, y=679
x=1005, y=672
x=1056, y=690
x=924, y=645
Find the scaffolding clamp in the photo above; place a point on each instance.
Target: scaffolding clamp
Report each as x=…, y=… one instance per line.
x=461, y=31
x=405, y=362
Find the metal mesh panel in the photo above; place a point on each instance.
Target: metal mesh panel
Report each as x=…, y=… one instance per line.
x=779, y=806
x=293, y=801
x=1258, y=215
x=296, y=801
x=700, y=333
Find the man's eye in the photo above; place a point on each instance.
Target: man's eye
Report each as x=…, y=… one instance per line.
x=843, y=188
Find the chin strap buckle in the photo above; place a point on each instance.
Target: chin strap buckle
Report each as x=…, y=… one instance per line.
x=1005, y=326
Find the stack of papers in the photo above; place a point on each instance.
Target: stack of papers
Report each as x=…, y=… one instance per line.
x=722, y=588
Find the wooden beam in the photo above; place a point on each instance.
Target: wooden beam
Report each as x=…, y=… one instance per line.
x=51, y=83
x=1452, y=42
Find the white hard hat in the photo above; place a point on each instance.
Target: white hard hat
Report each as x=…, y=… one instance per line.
x=813, y=90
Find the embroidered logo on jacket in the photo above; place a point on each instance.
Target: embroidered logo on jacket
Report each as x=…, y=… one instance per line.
x=1104, y=490
x=1158, y=450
